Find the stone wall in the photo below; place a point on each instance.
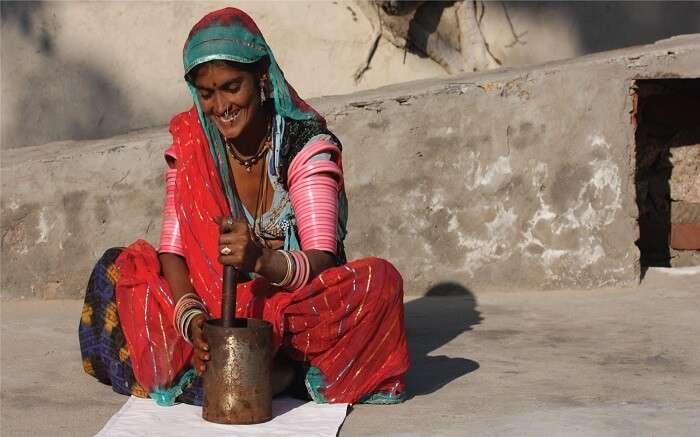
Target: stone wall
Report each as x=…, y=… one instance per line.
x=517, y=178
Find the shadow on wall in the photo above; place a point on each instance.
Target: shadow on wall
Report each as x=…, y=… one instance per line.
x=56, y=95
x=29, y=117
x=446, y=311
x=24, y=15
x=601, y=26
x=543, y=31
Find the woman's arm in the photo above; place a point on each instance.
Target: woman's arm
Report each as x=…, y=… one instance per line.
x=314, y=178
x=273, y=265
x=247, y=256
x=171, y=258
x=174, y=267
x=177, y=274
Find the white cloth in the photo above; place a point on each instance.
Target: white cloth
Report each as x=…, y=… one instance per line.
x=681, y=271
x=290, y=417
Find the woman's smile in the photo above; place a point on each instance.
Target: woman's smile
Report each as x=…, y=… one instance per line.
x=226, y=122
x=229, y=116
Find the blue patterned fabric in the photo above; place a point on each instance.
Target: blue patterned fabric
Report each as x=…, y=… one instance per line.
x=103, y=346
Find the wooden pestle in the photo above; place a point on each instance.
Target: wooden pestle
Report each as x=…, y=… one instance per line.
x=228, y=301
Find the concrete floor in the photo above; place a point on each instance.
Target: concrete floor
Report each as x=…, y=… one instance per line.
x=574, y=363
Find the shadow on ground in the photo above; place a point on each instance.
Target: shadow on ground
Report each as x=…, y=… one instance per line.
x=443, y=313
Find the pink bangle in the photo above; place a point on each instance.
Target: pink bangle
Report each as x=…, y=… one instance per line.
x=313, y=149
x=303, y=270
x=170, y=237
x=171, y=153
x=313, y=168
x=304, y=277
x=313, y=191
x=294, y=283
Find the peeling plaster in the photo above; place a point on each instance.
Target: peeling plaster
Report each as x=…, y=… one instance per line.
x=598, y=140
x=477, y=176
x=606, y=186
x=43, y=227
x=496, y=246
x=608, y=193
x=500, y=235
x=453, y=224
x=543, y=212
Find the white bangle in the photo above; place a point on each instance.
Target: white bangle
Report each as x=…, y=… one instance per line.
x=186, y=321
x=290, y=270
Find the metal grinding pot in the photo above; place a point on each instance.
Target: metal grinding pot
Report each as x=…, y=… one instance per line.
x=237, y=381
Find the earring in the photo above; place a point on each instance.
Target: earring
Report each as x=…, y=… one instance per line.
x=263, y=97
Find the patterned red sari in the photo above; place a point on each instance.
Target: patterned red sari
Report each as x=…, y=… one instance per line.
x=346, y=324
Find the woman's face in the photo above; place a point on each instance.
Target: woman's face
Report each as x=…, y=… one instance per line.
x=229, y=96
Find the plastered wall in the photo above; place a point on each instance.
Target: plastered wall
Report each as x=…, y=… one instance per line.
x=516, y=179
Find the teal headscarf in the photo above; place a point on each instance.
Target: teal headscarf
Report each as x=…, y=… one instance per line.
x=229, y=34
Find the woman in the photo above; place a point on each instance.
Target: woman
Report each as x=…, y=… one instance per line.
x=254, y=181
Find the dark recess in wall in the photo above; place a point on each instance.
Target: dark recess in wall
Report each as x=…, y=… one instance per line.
x=666, y=116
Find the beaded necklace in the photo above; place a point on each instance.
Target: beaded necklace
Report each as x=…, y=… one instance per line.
x=248, y=163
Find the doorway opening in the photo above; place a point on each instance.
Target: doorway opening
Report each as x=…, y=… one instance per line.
x=666, y=116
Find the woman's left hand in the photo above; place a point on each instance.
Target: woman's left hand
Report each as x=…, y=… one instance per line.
x=237, y=247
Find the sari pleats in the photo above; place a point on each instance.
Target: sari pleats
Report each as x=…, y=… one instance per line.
x=145, y=305
x=347, y=323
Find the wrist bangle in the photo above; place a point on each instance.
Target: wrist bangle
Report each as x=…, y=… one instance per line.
x=187, y=321
x=303, y=270
x=184, y=301
x=186, y=308
x=290, y=270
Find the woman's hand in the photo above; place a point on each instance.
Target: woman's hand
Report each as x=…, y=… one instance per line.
x=237, y=247
x=200, y=355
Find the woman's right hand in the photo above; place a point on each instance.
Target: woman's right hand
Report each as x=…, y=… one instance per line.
x=200, y=355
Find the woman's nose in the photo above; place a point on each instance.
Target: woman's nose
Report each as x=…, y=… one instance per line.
x=219, y=103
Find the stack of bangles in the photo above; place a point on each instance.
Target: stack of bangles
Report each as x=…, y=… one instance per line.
x=298, y=270
x=188, y=307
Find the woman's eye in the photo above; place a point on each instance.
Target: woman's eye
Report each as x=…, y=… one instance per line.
x=204, y=94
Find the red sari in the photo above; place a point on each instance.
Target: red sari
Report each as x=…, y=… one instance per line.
x=347, y=323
